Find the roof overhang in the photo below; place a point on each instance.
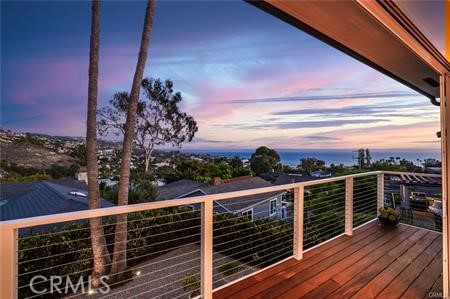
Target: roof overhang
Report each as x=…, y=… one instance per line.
x=376, y=33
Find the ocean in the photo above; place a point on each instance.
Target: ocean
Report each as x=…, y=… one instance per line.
x=346, y=157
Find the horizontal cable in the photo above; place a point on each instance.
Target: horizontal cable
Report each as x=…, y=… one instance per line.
x=105, y=255
x=119, y=282
x=324, y=205
x=243, y=244
x=142, y=284
x=89, y=238
x=328, y=202
x=364, y=206
x=142, y=267
x=252, y=253
x=249, y=222
x=147, y=291
x=367, y=195
x=324, y=191
x=356, y=190
x=252, y=227
x=245, y=217
x=324, y=220
x=105, y=225
x=331, y=197
x=280, y=226
x=323, y=238
x=108, y=244
x=314, y=229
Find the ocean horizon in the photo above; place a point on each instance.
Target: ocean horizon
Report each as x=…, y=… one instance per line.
x=346, y=157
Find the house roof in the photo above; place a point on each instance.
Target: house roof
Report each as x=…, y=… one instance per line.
x=23, y=200
x=289, y=178
x=178, y=189
x=188, y=188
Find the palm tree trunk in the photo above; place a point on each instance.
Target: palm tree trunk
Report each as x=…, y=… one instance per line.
x=119, y=263
x=99, y=250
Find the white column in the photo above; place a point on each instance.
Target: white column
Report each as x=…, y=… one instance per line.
x=380, y=191
x=349, y=206
x=298, y=222
x=445, y=143
x=207, y=250
x=8, y=262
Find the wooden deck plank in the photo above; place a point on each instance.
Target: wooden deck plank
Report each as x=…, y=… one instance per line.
x=436, y=290
x=421, y=286
x=327, y=249
x=355, y=269
x=378, y=283
x=325, y=289
x=357, y=282
x=374, y=262
x=310, y=260
x=292, y=279
x=401, y=283
x=315, y=281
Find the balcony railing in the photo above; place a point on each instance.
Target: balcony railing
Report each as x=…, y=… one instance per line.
x=192, y=246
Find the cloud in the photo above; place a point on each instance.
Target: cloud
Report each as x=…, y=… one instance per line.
x=426, y=141
x=367, y=95
x=205, y=140
x=319, y=138
x=304, y=124
x=359, y=110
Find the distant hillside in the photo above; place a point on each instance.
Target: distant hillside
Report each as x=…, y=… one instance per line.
x=29, y=155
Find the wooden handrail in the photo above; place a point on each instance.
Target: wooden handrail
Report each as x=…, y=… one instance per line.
x=111, y=211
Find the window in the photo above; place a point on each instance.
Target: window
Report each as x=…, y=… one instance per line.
x=273, y=207
x=248, y=213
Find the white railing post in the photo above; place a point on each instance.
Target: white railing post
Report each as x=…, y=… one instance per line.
x=8, y=262
x=445, y=146
x=207, y=250
x=349, y=206
x=380, y=192
x=299, y=193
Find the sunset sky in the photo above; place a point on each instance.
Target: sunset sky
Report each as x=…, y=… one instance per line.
x=247, y=78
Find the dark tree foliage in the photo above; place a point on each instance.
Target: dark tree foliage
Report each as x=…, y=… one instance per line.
x=364, y=158
x=79, y=153
x=309, y=165
x=430, y=162
x=159, y=121
x=236, y=162
x=264, y=159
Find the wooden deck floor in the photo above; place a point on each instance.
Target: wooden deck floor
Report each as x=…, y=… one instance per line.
x=403, y=262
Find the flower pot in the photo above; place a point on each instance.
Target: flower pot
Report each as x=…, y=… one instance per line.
x=388, y=222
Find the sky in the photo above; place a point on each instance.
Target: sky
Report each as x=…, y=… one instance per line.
x=247, y=78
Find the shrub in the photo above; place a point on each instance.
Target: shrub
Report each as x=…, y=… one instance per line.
x=230, y=268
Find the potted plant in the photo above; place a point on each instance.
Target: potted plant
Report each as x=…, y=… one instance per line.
x=389, y=216
x=191, y=283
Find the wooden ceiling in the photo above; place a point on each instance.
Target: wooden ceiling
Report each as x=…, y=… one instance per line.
x=352, y=27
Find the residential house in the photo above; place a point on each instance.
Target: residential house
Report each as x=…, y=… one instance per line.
x=23, y=200
x=254, y=206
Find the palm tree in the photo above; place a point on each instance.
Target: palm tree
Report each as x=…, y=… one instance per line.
x=119, y=263
x=100, y=252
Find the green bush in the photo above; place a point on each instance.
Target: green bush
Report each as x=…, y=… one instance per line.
x=230, y=268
